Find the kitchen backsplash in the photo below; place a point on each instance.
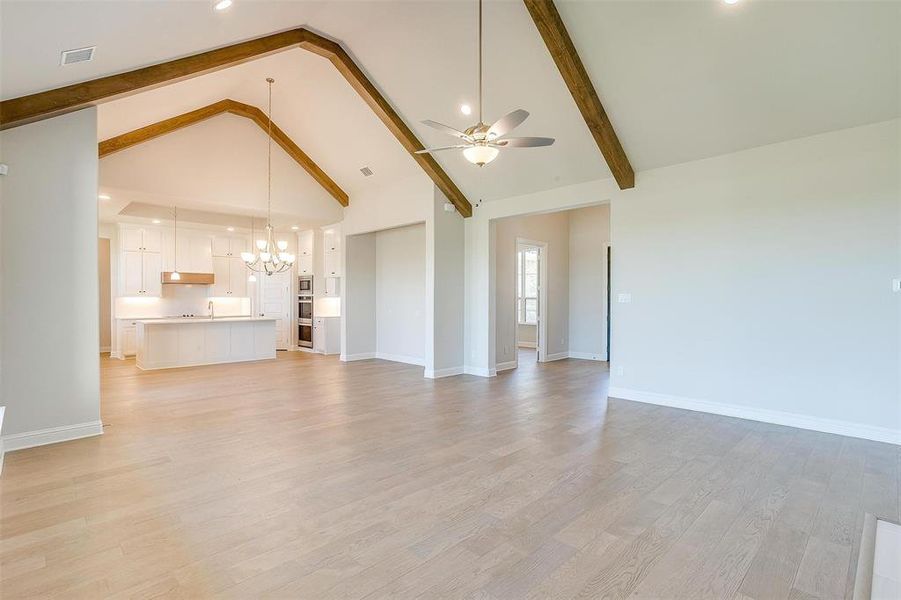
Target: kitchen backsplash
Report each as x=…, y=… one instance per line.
x=178, y=300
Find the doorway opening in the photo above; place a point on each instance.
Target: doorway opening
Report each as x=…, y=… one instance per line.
x=530, y=300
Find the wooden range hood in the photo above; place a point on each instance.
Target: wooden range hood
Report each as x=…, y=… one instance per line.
x=188, y=278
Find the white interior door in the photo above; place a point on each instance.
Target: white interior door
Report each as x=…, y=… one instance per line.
x=275, y=303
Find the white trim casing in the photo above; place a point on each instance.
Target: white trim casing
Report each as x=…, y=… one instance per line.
x=410, y=360
x=481, y=372
x=51, y=435
x=360, y=356
x=601, y=357
x=506, y=366
x=2, y=448
x=439, y=373
x=777, y=417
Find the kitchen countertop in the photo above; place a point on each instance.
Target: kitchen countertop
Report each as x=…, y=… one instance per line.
x=201, y=320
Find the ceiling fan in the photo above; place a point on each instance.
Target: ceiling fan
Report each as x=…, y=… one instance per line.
x=481, y=143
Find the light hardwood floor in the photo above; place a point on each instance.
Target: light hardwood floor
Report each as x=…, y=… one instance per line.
x=308, y=478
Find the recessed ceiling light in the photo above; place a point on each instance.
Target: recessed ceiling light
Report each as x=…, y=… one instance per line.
x=294, y=227
x=730, y=1
x=229, y=228
x=104, y=196
x=466, y=109
x=156, y=221
x=221, y=4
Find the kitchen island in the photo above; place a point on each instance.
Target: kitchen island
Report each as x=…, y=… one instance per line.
x=187, y=342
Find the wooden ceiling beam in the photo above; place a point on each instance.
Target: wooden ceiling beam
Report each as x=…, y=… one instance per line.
x=560, y=45
x=43, y=105
x=155, y=130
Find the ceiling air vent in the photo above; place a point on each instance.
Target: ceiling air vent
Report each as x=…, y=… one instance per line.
x=70, y=57
x=366, y=171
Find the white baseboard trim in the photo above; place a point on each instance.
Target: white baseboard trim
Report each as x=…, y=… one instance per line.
x=439, y=373
x=589, y=356
x=777, y=417
x=556, y=356
x=51, y=435
x=410, y=360
x=360, y=356
x=2, y=450
x=480, y=371
x=526, y=344
x=506, y=366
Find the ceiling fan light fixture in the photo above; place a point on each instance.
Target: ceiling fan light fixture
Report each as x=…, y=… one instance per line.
x=480, y=155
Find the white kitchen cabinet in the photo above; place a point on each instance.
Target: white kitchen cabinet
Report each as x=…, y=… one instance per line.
x=305, y=243
x=133, y=273
x=332, y=286
x=229, y=245
x=141, y=262
x=125, y=339
x=152, y=270
x=304, y=265
x=136, y=238
x=127, y=345
x=230, y=277
x=331, y=239
x=221, y=276
x=237, y=277
x=332, y=264
x=193, y=251
x=141, y=273
x=327, y=335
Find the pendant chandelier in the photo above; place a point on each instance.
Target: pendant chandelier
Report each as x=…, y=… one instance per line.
x=269, y=256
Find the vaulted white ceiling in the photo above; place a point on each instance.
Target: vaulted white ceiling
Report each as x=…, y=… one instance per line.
x=680, y=80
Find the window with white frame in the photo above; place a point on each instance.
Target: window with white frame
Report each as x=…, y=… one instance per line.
x=527, y=285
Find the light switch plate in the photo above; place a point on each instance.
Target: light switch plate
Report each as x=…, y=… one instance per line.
x=4, y=169
x=896, y=285
x=624, y=298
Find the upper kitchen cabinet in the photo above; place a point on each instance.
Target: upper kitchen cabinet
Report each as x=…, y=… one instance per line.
x=230, y=277
x=141, y=264
x=305, y=252
x=331, y=239
x=136, y=238
x=141, y=273
x=193, y=251
x=331, y=245
x=230, y=245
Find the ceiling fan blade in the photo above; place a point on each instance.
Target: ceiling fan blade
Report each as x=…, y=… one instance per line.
x=427, y=150
x=445, y=129
x=523, y=142
x=507, y=123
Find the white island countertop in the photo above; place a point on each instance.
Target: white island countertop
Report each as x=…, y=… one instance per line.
x=180, y=320
x=193, y=341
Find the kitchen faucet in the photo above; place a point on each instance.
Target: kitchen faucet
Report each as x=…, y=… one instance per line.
x=212, y=308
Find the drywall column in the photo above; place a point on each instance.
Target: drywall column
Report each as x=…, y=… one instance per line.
x=358, y=317
x=479, y=309
x=48, y=263
x=444, y=291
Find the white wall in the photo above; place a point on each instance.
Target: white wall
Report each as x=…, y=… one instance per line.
x=384, y=206
x=358, y=317
x=400, y=293
x=51, y=375
x=760, y=282
x=589, y=234
x=445, y=289
x=552, y=229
